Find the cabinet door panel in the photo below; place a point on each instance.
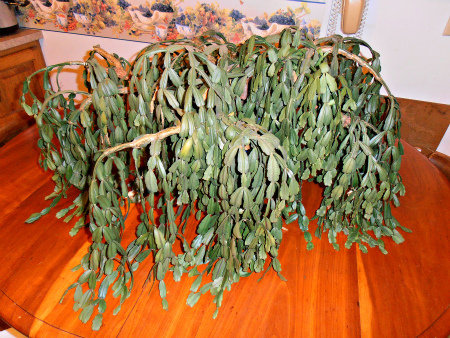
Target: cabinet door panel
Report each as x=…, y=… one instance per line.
x=11, y=83
x=14, y=68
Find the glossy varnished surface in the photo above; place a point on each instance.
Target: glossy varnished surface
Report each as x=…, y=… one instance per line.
x=328, y=293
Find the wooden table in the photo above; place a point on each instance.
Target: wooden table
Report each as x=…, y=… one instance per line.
x=328, y=294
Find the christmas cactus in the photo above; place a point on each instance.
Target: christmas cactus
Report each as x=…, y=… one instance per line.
x=225, y=134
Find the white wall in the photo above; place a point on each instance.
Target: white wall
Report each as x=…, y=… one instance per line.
x=415, y=56
x=60, y=47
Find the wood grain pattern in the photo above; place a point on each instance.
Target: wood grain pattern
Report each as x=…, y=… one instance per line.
x=15, y=65
x=412, y=281
x=328, y=293
x=3, y=325
x=424, y=123
x=442, y=162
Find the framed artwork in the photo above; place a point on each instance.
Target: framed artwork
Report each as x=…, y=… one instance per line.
x=155, y=20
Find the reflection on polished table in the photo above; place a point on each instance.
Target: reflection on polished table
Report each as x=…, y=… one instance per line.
x=328, y=293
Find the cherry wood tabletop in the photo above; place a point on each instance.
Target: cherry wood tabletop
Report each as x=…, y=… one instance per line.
x=328, y=293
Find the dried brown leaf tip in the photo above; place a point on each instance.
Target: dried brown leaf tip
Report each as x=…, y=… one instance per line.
x=346, y=120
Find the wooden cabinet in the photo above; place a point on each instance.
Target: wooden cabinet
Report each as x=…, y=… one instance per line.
x=19, y=57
